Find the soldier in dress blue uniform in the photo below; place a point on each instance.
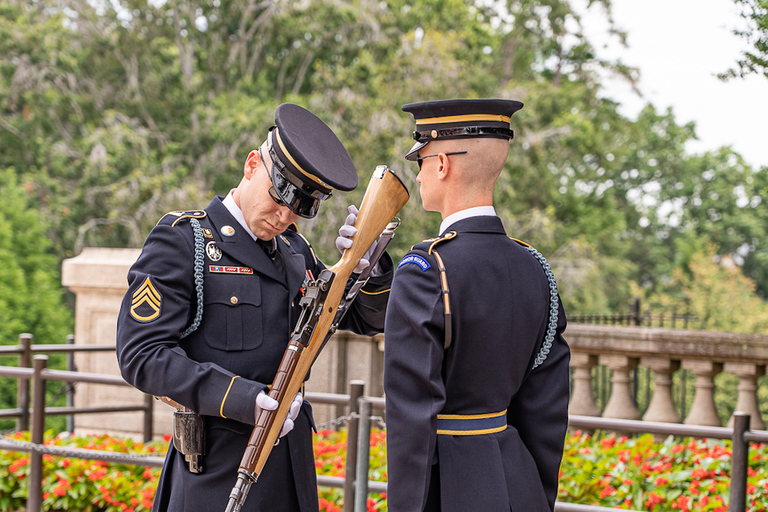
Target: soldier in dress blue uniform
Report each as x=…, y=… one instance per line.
x=208, y=315
x=475, y=365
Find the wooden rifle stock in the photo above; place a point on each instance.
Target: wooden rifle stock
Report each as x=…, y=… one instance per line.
x=384, y=197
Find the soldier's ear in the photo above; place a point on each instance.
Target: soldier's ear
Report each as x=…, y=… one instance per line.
x=251, y=165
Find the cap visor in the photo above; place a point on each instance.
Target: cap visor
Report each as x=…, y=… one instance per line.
x=413, y=154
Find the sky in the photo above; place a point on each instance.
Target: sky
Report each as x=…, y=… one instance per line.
x=679, y=47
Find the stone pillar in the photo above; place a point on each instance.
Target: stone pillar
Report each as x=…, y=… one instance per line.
x=662, y=407
x=703, y=411
x=98, y=278
x=620, y=404
x=748, y=374
x=582, y=402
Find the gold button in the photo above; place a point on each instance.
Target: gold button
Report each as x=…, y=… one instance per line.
x=233, y=300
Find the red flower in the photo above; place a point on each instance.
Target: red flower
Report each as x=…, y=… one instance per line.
x=22, y=461
x=606, y=491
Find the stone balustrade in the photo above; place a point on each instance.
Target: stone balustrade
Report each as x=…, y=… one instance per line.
x=663, y=351
x=98, y=278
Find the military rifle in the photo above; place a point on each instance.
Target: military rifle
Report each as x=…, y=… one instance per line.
x=322, y=307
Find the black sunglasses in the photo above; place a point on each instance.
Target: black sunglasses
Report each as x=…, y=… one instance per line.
x=419, y=159
x=284, y=193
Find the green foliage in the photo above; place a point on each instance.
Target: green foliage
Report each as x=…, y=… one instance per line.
x=602, y=470
x=31, y=297
x=78, y=484
x=112, y=114
x=715, y=291
x=754, y=60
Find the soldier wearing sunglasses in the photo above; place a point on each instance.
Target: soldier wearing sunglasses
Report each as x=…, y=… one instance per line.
x=211, y=303
x=475, y=364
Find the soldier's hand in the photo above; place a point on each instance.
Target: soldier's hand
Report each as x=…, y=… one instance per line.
x=267, y=403
x=293, y=413
x=344, y=240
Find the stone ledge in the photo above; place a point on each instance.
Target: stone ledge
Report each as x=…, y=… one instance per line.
x=98, y=268
x=672, y=343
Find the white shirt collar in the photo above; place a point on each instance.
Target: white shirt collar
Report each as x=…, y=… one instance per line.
x=231, y=206
x=477, y=211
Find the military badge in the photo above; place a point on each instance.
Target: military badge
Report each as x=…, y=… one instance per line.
x=228, y=231
x=287, y=242
x=213, y=252
x=222, y=269
x=308, y=278
x=146, y=302
x=207, y=233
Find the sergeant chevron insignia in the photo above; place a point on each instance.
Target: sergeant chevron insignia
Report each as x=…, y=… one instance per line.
x=146, y=302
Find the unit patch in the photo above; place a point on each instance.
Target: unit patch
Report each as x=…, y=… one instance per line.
x=415, y=258
x=213, y=252
x=228, y=231
x=146, y=303
x=221, y=269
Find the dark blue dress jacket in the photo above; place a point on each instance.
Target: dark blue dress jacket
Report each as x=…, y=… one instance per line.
x=500, y=301
x=250, y=309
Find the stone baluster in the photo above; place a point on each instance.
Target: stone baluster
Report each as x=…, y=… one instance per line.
x=620, y=404
x=748, y=373
x=703, y=411
x=662, y=407
x=582, y=402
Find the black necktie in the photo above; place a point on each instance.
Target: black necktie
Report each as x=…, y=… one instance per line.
x=270, y=249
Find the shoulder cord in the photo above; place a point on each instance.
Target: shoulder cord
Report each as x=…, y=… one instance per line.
x=553, y=308
x=553, y=304
x=198, y=277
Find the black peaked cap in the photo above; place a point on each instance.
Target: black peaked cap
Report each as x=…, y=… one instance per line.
x=311, y=151
x=460, y=118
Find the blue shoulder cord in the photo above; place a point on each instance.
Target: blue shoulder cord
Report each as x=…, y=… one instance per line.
x=553, y=308
x=198, y=277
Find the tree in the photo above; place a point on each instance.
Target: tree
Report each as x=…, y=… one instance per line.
x=31, y=296
x=754, y=61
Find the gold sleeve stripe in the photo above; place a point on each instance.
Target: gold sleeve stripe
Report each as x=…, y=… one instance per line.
x=471, y=416
x=376, y=293
x=221, y=409
x=295, y=164
x=471, y=432
x=464, y=118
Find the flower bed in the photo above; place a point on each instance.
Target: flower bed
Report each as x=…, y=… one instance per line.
x=83, y=485
x=609, y=471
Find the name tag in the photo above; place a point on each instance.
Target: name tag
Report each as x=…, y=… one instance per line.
x=221, y=269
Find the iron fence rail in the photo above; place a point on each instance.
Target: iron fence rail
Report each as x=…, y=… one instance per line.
x=359, y=428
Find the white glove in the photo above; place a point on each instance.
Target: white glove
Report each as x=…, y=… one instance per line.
x=344, y=241
x=266, y=402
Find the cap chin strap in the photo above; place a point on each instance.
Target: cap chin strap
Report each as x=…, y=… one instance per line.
x=463, y=131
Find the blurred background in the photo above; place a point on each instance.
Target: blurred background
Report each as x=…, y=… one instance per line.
x=636, y=170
